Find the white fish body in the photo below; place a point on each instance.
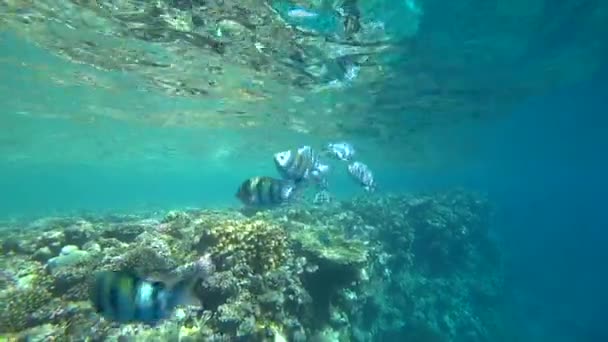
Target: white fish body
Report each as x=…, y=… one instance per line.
x=352, y=72
x=301, y=13
x=322, y=169
x=319, y=175
x=342, y=150
x=302, y=164
x=363, y=175
x=282, y=159
x=296, y=164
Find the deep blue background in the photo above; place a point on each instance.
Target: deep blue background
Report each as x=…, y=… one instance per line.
x=545, y=168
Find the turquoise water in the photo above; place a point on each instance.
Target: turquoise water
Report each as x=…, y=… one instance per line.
x=503, y=99
x=65, y=151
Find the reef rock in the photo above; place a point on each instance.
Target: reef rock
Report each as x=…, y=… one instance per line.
x=70, y=255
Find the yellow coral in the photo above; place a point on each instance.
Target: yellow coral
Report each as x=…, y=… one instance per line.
x=18, y=304
x=260, y=244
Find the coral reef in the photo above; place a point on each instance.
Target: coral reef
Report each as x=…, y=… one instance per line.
x=373, y=268
x=259, y=244
x=19, y=304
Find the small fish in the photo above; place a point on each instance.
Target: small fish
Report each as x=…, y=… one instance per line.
x=322, y=197
x=301, y=164
x=342, y=150
x=264, y=191
x=319, y=176
x=351, y=73
x=124, y=297
x=363, y=175
x=301, y=13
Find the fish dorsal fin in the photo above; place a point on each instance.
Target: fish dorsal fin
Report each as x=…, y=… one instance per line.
x=126, y=273
x=166, y=278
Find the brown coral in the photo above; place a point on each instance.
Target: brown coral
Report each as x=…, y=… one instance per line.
x=259, y=244
x=17, y=305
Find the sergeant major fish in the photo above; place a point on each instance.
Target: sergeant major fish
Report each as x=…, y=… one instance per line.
x=301, y=164
x=363, y=175
x=124, y=297
x=265, y=191
x=341, y=150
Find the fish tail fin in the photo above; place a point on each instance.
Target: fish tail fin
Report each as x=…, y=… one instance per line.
x=296, y=193
x=323, y=168
x=288, y=189
x=371, y=188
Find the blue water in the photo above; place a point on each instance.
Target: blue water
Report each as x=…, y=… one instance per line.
x=543, y=166
x=549, y=174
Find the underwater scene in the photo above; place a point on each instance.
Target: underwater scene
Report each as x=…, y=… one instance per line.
x=303, y=170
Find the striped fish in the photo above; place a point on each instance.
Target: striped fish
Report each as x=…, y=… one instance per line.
x=363, y=175
x=124, y=297
x=341, y=150
x=265, y=191
x=301, y=164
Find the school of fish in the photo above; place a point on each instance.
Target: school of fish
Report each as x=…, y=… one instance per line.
x=300, y=167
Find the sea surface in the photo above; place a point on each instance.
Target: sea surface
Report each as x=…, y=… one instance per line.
x=134, y=108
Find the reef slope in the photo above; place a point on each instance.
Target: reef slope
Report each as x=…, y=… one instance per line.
x=415, y=268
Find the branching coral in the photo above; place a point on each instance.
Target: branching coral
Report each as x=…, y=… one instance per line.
x=17, y=305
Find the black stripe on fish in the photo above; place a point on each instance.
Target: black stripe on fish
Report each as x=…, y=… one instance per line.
x=301, y=166
x=100, y=289
x=114, y=295
x=267, y=191
x=259, y=191
x=275, y=192
x=109, y=282
x=243, y=189
x=291, y=166
x=154, y=297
